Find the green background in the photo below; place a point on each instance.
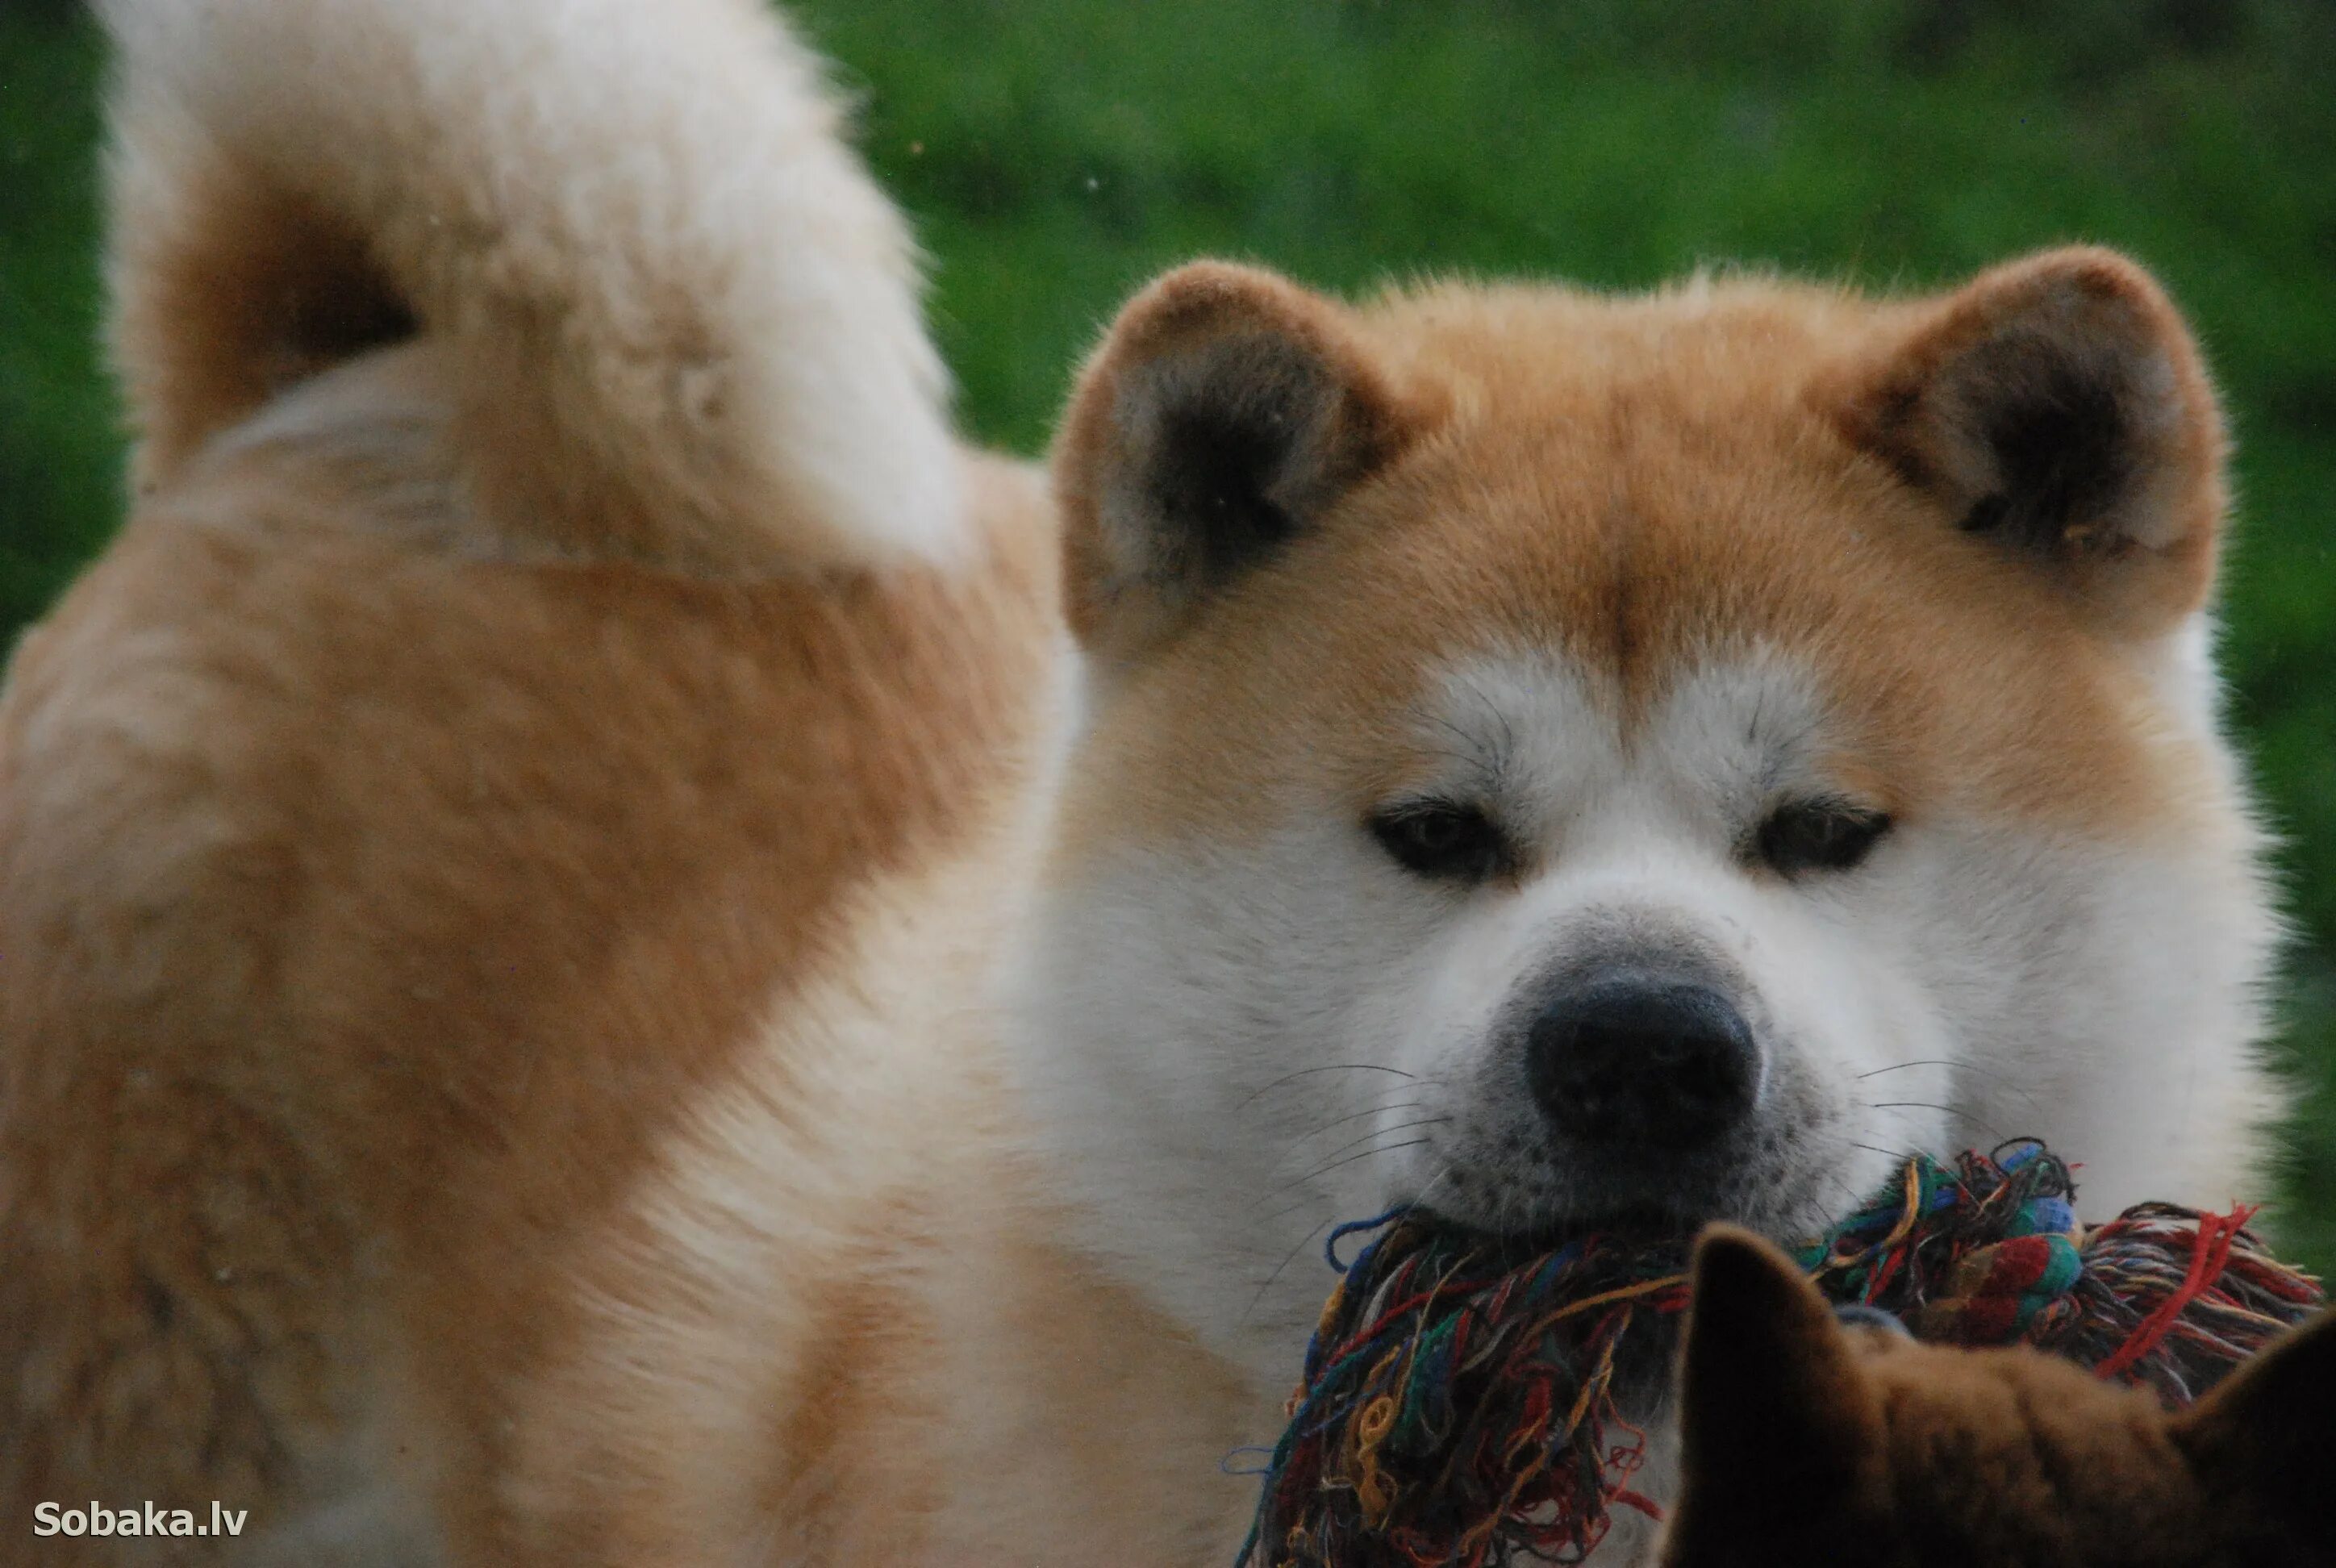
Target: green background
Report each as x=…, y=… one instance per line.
x=1056, y=153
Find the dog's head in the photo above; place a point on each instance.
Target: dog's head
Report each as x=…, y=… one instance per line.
x=1806, y=1441
x=1567, y=760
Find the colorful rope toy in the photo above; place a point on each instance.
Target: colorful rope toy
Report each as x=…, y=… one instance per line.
x=1459, y=1404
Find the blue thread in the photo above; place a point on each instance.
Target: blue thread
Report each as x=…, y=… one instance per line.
x=2046, y=1217
x=1331, y=1247
x=2018, y=1152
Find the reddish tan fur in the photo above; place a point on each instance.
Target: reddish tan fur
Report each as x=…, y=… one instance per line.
x=392, y=848
x=372, y=908
x=1807, y=1443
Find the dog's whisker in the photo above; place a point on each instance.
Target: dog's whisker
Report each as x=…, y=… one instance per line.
x=1264, y=1219
x=1417, y=1200
x=2005, y=1079
x=1287, y=1258
x=1374, y=1134
x=1847, y=1192
x=1379, y=1105
x=1380, y=1132
x=1326, y=1169
x=1336, y=1067
x=1979, y=1122
x=1420, y=1197
x=1356, y=1116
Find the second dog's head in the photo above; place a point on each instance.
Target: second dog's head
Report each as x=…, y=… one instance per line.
x=1806, y=1441
x=1566, y=760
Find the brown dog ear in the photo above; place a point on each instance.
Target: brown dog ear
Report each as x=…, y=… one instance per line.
x=2266, y=1438
x=2056, y=408
x=1780, y=1433
x=1226, y=411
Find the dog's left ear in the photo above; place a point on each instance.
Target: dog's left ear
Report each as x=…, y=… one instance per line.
x=1780, y=1433
x=2261, y=1439
x=2056, y=409
x=1228, y=410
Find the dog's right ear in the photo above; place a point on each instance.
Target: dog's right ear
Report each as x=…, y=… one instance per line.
x=1227, y=410
x=1780, y=1433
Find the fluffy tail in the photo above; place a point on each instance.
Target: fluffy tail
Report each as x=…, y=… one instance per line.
x=683, y=322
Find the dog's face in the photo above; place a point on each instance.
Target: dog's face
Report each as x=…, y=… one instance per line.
x=1574, y=762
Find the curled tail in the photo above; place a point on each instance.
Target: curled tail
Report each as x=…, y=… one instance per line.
x=683, y=324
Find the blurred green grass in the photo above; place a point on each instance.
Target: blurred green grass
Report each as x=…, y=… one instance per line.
x=1056, y=153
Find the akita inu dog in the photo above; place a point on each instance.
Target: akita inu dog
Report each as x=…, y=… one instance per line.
x=588, y=974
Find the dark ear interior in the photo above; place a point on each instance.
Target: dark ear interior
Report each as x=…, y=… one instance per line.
x=1225, y=412
x=1227, y=425
x=1779, y=1431
x=2268, y=1434
x=2056, y=409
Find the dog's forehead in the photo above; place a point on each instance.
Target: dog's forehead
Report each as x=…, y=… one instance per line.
x=1655, y=592
x=1641, y=521
x=1534, y=726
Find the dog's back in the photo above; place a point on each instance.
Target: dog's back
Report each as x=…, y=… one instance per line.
x=552, y=594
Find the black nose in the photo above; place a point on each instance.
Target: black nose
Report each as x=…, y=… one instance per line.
x=1645, y=1063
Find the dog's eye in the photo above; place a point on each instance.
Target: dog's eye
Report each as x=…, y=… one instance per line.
x=1828, y=835
x=1440, y=839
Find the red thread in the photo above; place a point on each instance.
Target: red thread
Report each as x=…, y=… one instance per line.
x=2207, y=1259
